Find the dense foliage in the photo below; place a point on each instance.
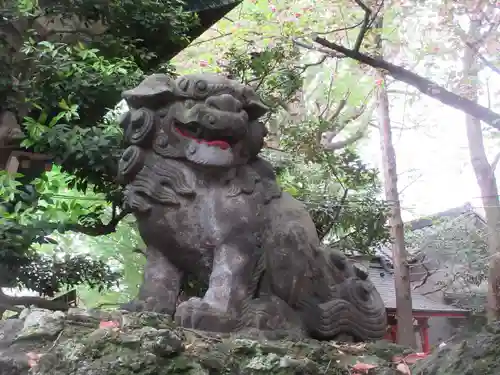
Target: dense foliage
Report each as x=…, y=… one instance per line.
x=60, y=76
x=340, y=191
x=434, y=250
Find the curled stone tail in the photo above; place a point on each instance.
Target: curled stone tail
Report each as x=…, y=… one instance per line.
x=358, y=312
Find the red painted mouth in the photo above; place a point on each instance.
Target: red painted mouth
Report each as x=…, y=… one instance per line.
x=223, y=145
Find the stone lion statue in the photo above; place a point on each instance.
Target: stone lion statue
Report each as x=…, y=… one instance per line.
x=209, y=207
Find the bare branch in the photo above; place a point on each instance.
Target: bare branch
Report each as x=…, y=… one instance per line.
x=358, y=112
x=339, y=108
x=483, y=59
x=365, y=25
x=424, y=85
x=341, y=28
x=428, y=273
x=312, y=47
x=495, y=161
x=304, y=67
x=332, y=146
x=325, y=139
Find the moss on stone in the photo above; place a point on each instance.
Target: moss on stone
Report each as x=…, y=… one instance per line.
x=151, y=344
x=387, y=350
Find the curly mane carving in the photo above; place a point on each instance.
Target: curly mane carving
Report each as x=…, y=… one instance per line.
x=162, y=126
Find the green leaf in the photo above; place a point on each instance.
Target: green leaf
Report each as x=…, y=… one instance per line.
x=64, y=105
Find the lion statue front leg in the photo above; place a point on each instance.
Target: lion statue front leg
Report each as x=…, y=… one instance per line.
x=161, y=285
x=228, y=290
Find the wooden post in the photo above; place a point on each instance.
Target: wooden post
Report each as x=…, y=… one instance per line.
x=394, y=333
x=12, y=164
x=393, y=328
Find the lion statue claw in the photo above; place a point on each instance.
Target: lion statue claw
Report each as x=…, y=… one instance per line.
x=208, y=207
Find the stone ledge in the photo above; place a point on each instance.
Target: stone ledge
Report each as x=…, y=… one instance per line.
x=82, y=342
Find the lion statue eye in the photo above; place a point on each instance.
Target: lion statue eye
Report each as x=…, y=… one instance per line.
x=183, y=84
x=201, y=85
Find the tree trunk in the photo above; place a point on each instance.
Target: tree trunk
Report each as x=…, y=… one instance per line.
x=404, y=312
x=485, y=176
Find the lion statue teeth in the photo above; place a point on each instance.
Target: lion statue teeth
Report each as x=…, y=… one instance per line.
x=208, y=207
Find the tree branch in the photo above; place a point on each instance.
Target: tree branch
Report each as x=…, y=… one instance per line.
x=494, y=163
x=312, y=47
x=10, y=302
x=332, y=146
x=98, y=230
x=339, y=108
x=304, y=67
x=483, y=59
x=428, y=273
x=326, y=138
x=365, y=25
x=424, y=85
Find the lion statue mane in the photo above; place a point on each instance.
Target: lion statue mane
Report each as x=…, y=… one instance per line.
x=208, y=207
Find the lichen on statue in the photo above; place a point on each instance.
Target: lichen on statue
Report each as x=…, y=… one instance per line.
x=209, y=207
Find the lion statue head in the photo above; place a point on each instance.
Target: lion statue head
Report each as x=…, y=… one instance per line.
x=206, y=119
x=174, y=126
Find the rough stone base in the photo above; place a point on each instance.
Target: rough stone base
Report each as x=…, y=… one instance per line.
x=118, y=343
x=478, y=354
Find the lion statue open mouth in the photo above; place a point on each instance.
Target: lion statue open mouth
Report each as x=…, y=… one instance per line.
x=209, y=207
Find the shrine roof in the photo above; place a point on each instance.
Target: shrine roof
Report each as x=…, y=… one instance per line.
x=209, y=12
x=201, y=5
x=422, y=305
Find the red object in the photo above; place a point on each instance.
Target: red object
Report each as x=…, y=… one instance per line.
x=422, y=317
x=362, y=368
x=203, y=63
x=109, y=324
x=410, y=358
x=33, y=359
x=394, y=333
x=217, y=143
x=424, y=334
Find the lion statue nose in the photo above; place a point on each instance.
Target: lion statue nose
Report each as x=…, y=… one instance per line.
x=225, y=102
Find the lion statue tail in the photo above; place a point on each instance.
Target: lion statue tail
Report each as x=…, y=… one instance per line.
x=353, y=308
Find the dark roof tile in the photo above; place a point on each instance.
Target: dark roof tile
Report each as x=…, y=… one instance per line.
x=385, y=286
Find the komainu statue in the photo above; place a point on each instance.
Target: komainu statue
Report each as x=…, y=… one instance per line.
x=209, y=207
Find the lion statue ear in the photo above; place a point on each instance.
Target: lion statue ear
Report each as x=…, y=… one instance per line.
x=253, y=105
x=257, y=131
x=154, y=92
